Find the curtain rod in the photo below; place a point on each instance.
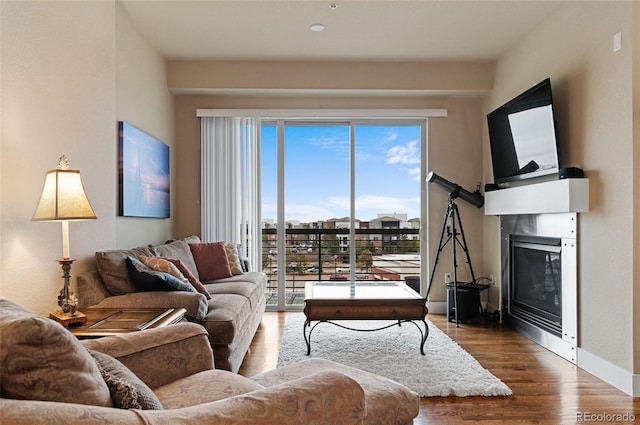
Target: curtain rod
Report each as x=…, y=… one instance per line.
x=323, y=113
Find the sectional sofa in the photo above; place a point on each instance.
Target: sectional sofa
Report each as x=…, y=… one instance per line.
x=230, y=308
x=166, y=376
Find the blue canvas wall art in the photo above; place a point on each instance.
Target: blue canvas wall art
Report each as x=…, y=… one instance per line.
x=144, y=174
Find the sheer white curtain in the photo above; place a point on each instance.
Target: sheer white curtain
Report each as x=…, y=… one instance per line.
x=230, y=183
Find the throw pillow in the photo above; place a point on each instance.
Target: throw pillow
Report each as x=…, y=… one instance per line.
x=127, y=390
x=211, y=260
x=146, y=279
x=178, y=249
x=112, y=266
x=194, y=281
x=234, y=258
x=41, y=360
x=162, y=265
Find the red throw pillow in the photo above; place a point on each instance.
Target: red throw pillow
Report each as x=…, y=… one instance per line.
x=190, y=277
x=211, y=260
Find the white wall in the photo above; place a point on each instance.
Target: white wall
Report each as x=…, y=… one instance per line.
x=143, y=100
x=592, y=93
x=70, y=70
x=58, y=97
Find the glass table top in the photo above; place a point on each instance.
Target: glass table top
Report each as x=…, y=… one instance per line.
x=359, y=290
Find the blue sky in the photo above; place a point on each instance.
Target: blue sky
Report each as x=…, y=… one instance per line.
x=317, y=171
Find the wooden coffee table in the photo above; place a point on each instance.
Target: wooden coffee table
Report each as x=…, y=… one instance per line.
x=328, y=302
x=107, y=322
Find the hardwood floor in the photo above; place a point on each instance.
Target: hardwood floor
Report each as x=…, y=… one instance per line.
x=546, y=388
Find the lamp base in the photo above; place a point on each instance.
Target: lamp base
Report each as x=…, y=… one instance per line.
x=66, y=319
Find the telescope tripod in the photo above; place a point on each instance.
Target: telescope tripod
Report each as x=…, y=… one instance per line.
x=453, y=216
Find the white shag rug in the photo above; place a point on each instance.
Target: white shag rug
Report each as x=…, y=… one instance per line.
x=445, y=369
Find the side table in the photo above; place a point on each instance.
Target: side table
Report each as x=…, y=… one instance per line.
x=107, y=322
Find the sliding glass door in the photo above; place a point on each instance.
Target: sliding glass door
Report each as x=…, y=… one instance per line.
x=387, y=202
x=341, y=200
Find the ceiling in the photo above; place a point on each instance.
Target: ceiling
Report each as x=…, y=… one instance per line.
x=355, y=30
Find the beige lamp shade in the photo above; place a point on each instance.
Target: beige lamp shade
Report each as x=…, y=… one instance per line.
x=63, y=198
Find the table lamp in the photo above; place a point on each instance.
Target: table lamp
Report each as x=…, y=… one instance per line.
x=63, y=199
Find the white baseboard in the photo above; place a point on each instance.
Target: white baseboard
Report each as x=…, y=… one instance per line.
x=610, y=373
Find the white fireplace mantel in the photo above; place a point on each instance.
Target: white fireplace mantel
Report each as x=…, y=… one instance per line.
x=557, y=196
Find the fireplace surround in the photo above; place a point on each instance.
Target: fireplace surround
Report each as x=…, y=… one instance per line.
x=539, y=279
x=539, y=259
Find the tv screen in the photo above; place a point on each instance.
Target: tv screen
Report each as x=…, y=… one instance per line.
x=522, y=136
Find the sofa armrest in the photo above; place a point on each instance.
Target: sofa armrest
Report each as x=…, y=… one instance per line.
x=325, y=398
x=160, y=356
x=328, y=397
x=195, y=303
x=34, y=412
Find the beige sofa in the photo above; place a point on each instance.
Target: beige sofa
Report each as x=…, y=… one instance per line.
x=166, y=376
x=231, y=316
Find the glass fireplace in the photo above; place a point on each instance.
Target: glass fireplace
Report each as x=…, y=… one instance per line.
x=536, y=281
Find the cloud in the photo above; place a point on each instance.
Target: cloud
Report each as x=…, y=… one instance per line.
x=305, y=213
x=341, y=202
x=330, y=142
x=404, y=154
x=368, y=206
x=386, y=203
x=414, y=173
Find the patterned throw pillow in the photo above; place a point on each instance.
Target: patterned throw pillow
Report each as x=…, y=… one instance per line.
x=126, y=389
x=234, y=258
x=211, y=260
x=179, y=249
x=162, y=265
x=194, y=281
x=146, y=279
x=41, y=360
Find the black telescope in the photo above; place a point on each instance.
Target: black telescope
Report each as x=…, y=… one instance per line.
x=456, y=191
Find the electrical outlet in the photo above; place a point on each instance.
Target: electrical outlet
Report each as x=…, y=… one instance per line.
x=492, y=280
x=617, y=41
x=447, y=278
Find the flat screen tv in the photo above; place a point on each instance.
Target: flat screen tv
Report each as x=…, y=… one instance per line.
x=522, y=136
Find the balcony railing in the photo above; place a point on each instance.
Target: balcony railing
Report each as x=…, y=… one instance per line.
x=323, y=254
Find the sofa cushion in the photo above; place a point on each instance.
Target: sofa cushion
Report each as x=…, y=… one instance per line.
x=41, y=360
x=112, y=266
x=234, y=258
x=232, y=300
x=228, y=315
x=179, y=249
x=146, y=279
x=211, y=260
x=386, y=400
x=127, y=390
x=245, y=288
x=325, y=398
x=255, y=278
x=204, y=387
x=194, y=281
